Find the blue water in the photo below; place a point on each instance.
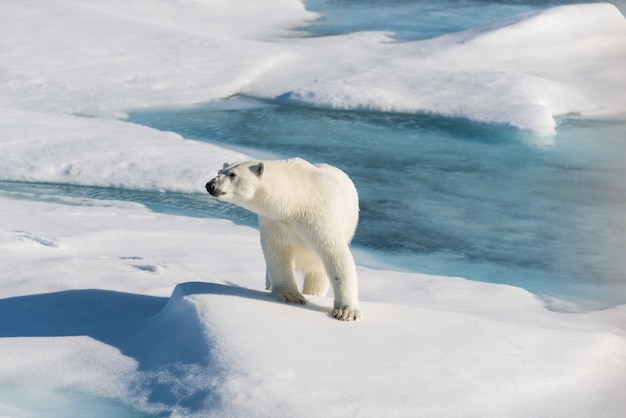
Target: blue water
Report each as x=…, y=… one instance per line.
x=415, y=19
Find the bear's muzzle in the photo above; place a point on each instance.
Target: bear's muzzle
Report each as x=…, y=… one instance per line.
x=212, y=188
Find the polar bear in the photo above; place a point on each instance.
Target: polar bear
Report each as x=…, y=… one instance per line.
x=308, y=214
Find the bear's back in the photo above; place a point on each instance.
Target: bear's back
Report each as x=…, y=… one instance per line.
x=346, y=193
x=321, y=189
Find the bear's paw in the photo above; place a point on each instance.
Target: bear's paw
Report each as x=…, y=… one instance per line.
x=346, y=313
x=293, y=297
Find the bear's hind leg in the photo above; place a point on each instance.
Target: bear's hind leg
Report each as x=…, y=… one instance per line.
x=315, y=283
x=315, y=279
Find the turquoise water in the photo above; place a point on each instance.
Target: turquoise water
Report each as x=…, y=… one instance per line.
x=414, y=19
x=30, y=403
x=451, y=197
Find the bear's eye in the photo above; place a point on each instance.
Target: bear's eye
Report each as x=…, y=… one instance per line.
x=232, y=175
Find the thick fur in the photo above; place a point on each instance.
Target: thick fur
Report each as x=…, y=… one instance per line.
x=307, y=217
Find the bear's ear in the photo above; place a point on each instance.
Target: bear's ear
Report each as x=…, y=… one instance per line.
x=225, y=166
x=257, y=169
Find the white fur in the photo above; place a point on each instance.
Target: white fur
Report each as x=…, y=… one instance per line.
x=307, y=217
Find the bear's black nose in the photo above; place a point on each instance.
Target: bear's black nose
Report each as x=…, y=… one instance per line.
x=210, y=187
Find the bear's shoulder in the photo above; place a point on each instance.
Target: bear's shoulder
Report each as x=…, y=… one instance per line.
x=298, y=162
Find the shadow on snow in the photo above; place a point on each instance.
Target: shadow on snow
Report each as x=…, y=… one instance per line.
x=177, y=369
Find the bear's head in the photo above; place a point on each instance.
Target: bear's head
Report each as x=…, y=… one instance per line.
x=237, y=183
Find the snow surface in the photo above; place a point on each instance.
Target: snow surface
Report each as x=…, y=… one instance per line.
x=110, y=305
x=166, y=314
x=53, y=148
x=104, y=58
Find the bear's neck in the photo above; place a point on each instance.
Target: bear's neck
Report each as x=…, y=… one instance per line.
x=275, y=200
x=278, y=196
x=274, y=205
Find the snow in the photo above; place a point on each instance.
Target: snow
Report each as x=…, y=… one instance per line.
x=167, y=314
x=52, y=148
x=522, y=72
x=107, y=305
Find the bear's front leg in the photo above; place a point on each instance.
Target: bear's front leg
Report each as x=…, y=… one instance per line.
x=268, y=281
x=289, y=296
x=278, y=251
x=347, y=313
x=283, y=280
x=342, y=273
